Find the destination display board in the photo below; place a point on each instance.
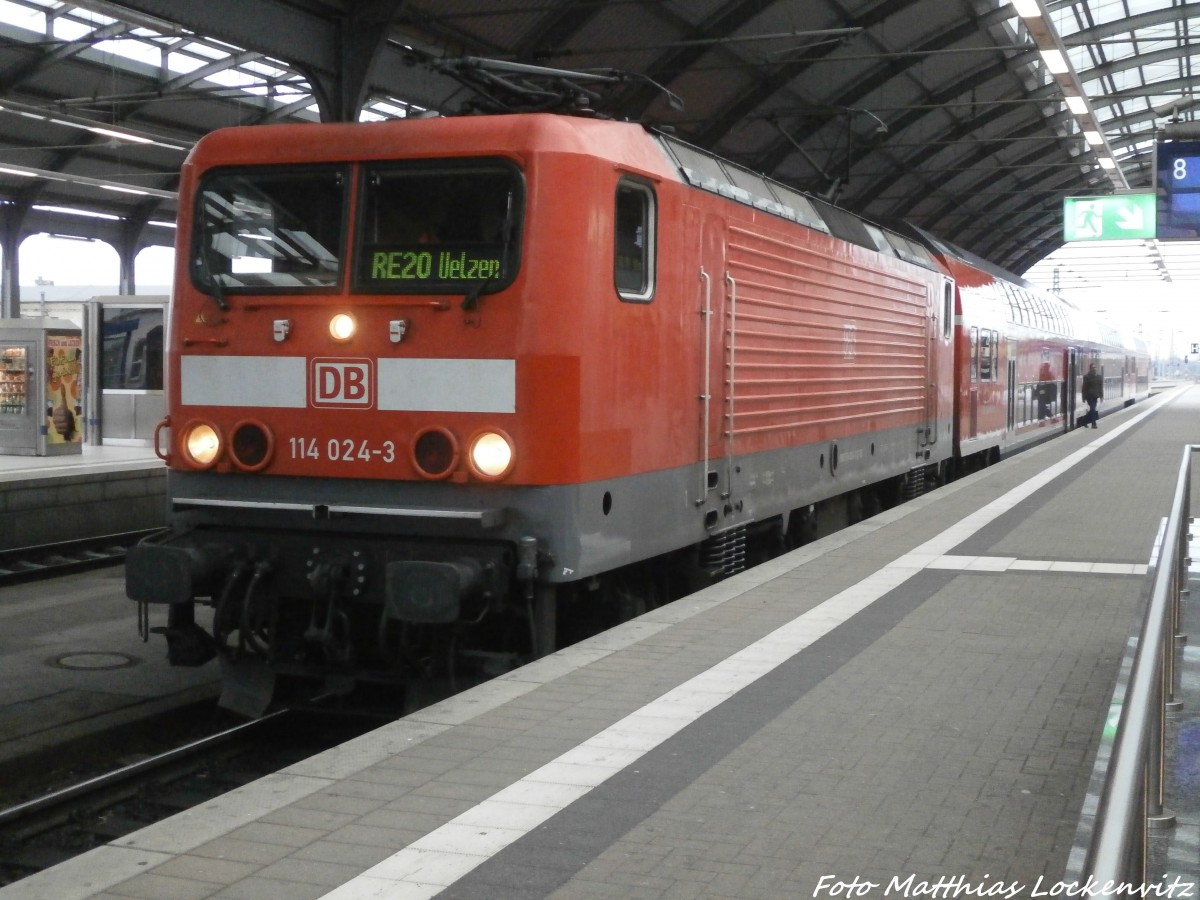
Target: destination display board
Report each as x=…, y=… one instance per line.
x=424, y=265
x=1177, y=173
x=437, y=268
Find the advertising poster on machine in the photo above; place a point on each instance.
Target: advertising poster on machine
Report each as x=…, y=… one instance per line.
x=64, y=389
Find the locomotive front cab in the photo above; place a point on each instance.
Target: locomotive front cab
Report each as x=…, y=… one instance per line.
x=342, y=437
x=328, y=333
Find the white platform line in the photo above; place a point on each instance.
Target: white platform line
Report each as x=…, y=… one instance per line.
x=1012, y=564
x=446, y=854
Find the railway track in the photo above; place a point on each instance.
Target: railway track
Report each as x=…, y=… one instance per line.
x=42, y=832
x=51, y=560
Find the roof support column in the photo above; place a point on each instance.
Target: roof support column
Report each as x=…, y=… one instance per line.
x=127, y=248
x=127, y=283
x=362, y=35
x=10, y=269
x=129, y=244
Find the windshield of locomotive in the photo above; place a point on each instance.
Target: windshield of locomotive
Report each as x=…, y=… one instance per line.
x=269, y=229
x=449, y=227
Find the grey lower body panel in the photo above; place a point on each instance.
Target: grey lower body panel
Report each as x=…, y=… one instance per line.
x=581, y=529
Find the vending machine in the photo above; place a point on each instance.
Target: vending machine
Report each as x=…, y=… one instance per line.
x=41, y=387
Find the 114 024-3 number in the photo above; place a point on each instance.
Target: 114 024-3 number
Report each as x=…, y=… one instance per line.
x=341, y=450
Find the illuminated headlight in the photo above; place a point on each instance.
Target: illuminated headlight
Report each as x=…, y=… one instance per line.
x=491, y=455
x=342, y=327
x=201, y=444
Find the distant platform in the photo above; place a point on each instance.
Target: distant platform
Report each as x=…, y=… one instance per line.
x=103, y=490
x=102, y=458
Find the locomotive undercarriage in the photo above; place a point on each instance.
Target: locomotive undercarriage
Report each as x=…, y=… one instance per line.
x=336, y=611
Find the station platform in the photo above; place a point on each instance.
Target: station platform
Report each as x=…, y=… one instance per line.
x=911, y=707
x=102, y=490
x=71, y=660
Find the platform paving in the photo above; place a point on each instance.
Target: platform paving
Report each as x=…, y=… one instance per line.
x=910, y=708
x=72, y=664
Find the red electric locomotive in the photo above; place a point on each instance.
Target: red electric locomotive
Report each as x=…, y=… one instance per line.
x=439, y=386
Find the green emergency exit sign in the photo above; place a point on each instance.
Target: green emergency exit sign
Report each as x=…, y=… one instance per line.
x=1112, y=218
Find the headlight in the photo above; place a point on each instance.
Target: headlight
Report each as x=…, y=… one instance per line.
x=201, y=444
x=491, y=455
x=342, y=327
x=251, y=446
x=434, y=452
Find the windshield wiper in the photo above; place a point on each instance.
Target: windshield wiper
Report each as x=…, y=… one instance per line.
x=470, y=302
x=207, y=257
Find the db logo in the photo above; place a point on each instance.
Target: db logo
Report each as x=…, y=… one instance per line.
x=344, y=383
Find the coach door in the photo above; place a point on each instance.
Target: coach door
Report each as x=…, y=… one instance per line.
x=1011, y=393
x=929, y=430
x=939, y=363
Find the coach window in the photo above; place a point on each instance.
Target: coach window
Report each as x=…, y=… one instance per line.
x=635, y=236
x=987, y=355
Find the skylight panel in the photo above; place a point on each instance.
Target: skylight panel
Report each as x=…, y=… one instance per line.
x=1093, y=86
x=181, y=63
x=65, y=29
x=22, y=17
x=393, y=110
x=209, y=52
x=235, y=78
x=1137, y=7
x=1080, y=58
x=1116, y=50
x=263, y=68
x=1104, y=11
x=138, y=51
x=1161, y=71
x=1126, y=80
x=180, y=53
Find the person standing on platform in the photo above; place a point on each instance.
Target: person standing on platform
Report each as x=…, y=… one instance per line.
x=1093, y=392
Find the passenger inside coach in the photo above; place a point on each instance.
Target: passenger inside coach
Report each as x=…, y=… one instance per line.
x=1046, y=391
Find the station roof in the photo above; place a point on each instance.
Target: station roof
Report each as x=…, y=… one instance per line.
x=954, y=115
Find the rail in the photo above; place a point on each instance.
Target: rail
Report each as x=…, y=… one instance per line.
x=51, y=560
x=46, y=805
x=1131, y=801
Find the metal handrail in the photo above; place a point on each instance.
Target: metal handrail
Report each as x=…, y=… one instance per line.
x=1133, y=785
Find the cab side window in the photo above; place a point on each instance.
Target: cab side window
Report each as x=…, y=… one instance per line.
x=634, y=252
